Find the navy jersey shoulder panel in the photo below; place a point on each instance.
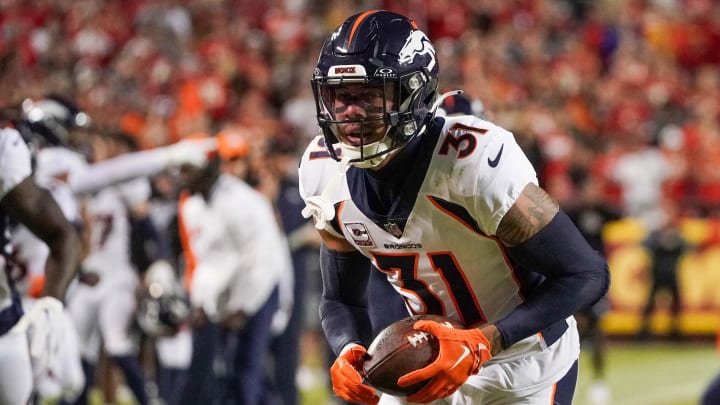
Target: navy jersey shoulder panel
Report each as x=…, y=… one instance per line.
x=458, y=212
x=389, y=194
x=336, y=219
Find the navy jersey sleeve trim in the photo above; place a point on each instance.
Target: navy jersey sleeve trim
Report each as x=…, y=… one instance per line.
x=336, y=220
x=344, y=302
x=576, y=276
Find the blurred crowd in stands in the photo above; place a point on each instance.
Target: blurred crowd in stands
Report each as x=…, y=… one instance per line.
x=594, y=90
x=616, y=101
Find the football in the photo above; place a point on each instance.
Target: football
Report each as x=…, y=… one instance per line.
x=399, y=349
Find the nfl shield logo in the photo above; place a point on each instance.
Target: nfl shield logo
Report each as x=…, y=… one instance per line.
x=393, y=229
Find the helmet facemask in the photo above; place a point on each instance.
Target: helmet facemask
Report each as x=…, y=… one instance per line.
x=379, y=51
x=392, y=109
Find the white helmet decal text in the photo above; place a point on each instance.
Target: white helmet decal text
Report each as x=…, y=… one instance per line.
x=347, y=70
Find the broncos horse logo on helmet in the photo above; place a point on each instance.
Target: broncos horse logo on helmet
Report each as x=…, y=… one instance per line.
x=375, y=52
x=417, y=44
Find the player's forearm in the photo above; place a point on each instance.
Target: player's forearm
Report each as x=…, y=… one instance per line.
x=575, y=276
x=35, y=208
x=62, y=264
x=343, y=324
x=125, y=167
x=343, y=305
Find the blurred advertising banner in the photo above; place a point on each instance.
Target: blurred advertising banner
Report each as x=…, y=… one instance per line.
x=698, y=277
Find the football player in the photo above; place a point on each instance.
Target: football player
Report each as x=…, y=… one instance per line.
x=450, y=211
x=104, y=304
x=30, y=343
x=238, y=257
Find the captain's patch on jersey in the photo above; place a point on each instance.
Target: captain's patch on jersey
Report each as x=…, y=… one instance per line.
x=359, y=233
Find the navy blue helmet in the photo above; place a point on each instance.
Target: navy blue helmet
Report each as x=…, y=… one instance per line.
x=50, y=119
x=385, y=52
x=459, y=104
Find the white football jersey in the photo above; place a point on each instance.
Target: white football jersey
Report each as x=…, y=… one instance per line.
x=15, y=161
x=110, y=229
x=445, y=259
x=15, y=166
x=29, y=252
x=238, y=247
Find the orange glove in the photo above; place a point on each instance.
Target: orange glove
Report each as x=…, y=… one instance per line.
x=462, y=352
x=346, y=379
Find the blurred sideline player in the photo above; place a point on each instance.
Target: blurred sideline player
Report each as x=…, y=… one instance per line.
x=104, y=312
x=273, y=179
x=30, y=342
x=591, y=213
x=666, y=247
x=29, y=256
x=237, y=259
x=163, y=316
x=50, y=124
x=277, y=179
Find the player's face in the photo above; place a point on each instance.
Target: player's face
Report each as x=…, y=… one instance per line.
x=361, y=110
x=193, y=179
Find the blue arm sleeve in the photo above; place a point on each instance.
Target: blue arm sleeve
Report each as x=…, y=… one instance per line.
x=344, y=301
x=385, y=304
x=576, y=276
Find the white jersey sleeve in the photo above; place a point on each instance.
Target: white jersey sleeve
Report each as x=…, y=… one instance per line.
x=136, y=191
x=261, y=247
x=92, y=178
x=15, y=161
x=138, y=164
x=492, y=178
x=322, y=184
x=238, y=247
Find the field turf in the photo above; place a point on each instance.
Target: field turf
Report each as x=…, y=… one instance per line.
x=637, y=374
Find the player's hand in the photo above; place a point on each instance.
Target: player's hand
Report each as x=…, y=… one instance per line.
x=198, y=318
x=462, y=352
x=89, y=278
x=45, y=325
x=192, y=152
x=235, y=320
x=346, y=378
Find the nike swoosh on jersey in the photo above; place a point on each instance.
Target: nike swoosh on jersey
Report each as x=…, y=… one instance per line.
x=494, y=162
x=466, y=352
